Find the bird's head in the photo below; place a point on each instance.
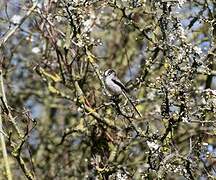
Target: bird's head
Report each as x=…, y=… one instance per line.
x=109, y=72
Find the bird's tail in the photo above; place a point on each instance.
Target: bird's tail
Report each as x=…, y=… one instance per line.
x=125, y=94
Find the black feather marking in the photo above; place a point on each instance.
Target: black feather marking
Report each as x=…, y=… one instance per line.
x=125, y=93
x=120, y=84
x=132, y=104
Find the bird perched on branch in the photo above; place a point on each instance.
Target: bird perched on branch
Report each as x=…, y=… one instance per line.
x=115, y=87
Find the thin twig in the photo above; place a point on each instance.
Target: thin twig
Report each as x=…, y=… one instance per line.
x=4, y=101
x=4, y=151
x=13, y=30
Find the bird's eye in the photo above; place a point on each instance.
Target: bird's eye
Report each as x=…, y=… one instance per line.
x=110, y=72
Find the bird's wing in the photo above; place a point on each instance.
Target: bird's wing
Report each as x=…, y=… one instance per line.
x=119, y=83
x=124, y=90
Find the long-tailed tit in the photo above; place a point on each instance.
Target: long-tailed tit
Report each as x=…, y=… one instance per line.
x=115, y=87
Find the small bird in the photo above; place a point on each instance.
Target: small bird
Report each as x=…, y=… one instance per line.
x=115, y=87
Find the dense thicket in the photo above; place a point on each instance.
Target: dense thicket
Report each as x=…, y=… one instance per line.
x=57, y=121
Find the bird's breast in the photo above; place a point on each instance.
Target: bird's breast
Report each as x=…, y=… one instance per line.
x=113, y=88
